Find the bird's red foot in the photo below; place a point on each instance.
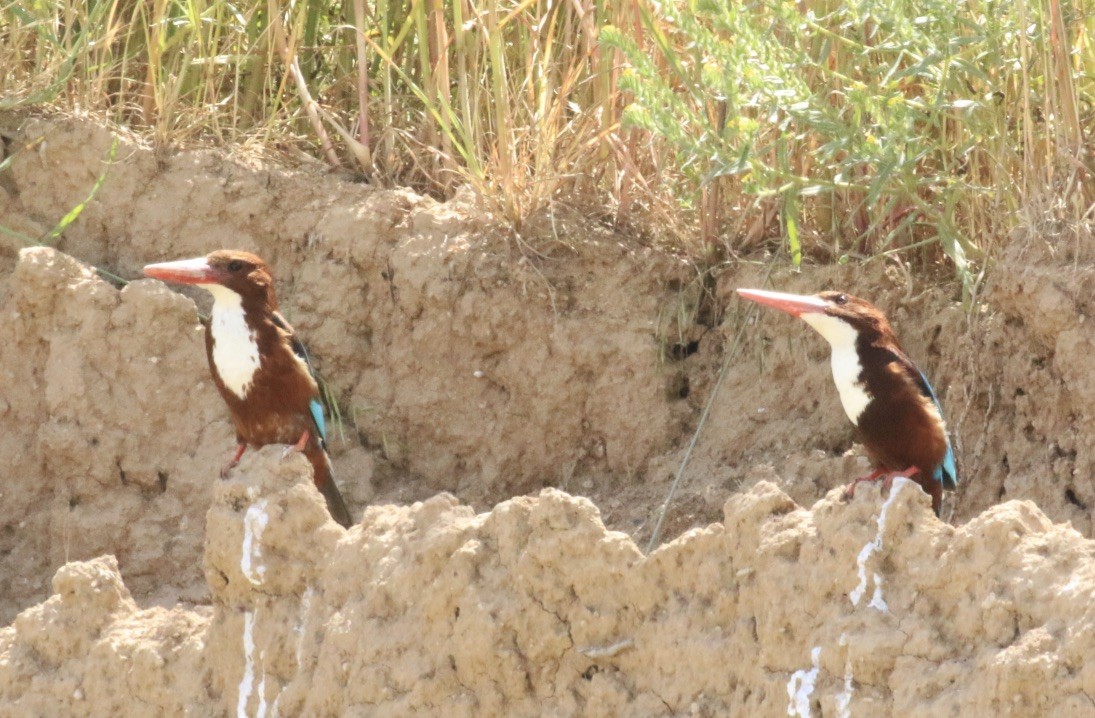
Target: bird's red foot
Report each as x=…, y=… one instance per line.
x=906, y=474
x=886, y=476
x=299, y=446
x=873, y=476
x=240, y=448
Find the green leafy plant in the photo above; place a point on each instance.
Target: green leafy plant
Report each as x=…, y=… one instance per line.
x=74, y=213
x=882, y=124
x=845, y=129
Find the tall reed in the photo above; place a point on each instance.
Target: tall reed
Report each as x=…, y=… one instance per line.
x=870, y=126
x=838, y=129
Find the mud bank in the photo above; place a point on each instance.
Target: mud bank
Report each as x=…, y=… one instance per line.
x=467, y=362
x=864, y=609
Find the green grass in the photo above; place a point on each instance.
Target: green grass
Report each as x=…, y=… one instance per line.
x=871, y=126
x=51, y=235
x=829, y=131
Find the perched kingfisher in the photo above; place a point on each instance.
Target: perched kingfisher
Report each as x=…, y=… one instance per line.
x=890, y=402
x=259, y=365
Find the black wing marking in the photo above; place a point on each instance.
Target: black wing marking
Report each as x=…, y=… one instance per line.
x=298, y=347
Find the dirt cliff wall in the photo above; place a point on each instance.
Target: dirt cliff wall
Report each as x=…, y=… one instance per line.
x=473, y=362
x=478, y=363
x=873, y=608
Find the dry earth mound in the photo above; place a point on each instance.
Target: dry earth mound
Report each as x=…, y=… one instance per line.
x=864, y=609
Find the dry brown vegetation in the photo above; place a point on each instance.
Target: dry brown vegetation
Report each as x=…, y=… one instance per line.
x=833, y=130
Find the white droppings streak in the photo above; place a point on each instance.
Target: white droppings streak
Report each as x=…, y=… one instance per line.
x=247, y=683
x=305, y=606
x=844, y=698
x=873, y=546
x=861, y=564
x=261, y=712
x=801, y=686
x=254, y=522
x=1073, y=585
x=877, y=601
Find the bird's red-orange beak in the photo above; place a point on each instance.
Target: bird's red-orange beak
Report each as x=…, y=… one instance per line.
x=794, y=304
x=184, y=271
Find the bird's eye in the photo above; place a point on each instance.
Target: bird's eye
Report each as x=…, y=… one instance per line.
x=235, y=265
x=841, y=299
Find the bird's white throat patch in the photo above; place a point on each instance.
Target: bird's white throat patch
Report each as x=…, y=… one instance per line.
x=235, y=351
x=845, y=360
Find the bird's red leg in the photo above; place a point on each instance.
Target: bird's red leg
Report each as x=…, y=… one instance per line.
x=873, y=476
x=240, y=448
x=299, y=446
x=906, y=474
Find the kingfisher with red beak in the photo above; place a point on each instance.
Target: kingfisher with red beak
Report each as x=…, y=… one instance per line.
x=260, y=367
x=890, y=402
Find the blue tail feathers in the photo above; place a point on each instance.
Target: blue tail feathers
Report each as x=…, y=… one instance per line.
x=946, y=473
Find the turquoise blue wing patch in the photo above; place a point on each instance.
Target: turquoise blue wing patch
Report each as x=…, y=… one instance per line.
x=317, y=413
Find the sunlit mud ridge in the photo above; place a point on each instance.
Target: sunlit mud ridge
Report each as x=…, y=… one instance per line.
x=535, y=608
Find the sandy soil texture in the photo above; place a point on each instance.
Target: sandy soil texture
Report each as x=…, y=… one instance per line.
x=469, y=362
x=864, y=609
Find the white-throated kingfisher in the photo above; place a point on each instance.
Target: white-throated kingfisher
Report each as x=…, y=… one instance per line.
x=890, y=402
x=260, y=367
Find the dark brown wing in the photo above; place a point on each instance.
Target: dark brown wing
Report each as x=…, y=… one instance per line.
x=315, y=405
